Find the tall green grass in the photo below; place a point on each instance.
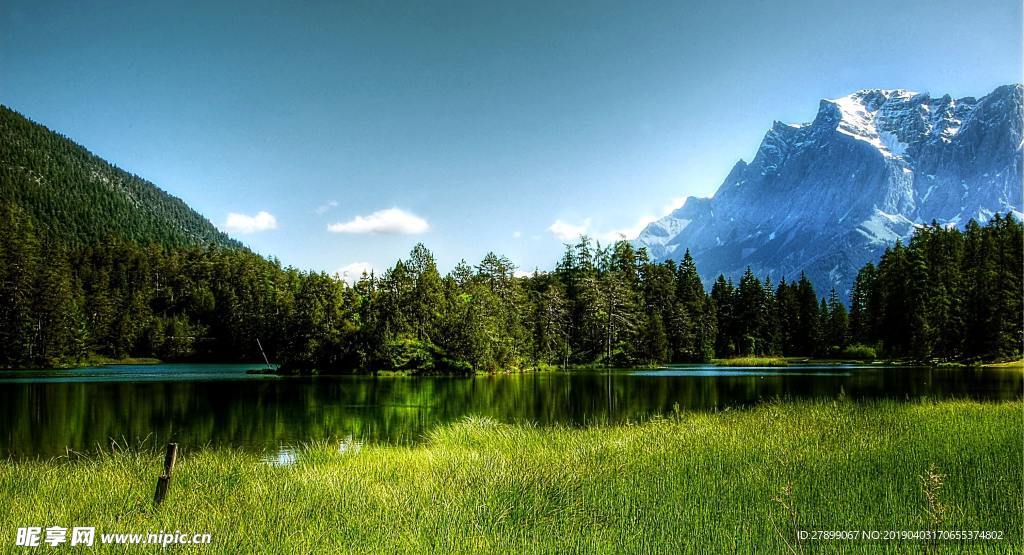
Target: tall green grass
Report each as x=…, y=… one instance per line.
x=694, y=483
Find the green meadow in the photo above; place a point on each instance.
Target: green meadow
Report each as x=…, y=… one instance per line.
x=735, y=481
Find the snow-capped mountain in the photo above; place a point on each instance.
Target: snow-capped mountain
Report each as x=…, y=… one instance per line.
x=828, y=196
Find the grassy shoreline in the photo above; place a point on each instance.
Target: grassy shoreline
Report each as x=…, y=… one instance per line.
x=753, y=361
x=99, y=360
x=727, y=482
x=1018, y=363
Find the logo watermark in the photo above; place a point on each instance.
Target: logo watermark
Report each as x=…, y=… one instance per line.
x=34, y=536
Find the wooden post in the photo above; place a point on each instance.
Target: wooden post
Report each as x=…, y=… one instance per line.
x=165, y=479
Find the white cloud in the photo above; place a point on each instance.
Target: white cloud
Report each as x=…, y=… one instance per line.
x=241, y=223
x=326, y=207
x=517, y=234
x=673, y=205
x=626, y=233
x=392, y=221
x=352, y=272
x=568, y=232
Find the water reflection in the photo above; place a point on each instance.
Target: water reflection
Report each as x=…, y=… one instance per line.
x=741, y=371
x=350, y=445
x=285, y=456
x=197, y=405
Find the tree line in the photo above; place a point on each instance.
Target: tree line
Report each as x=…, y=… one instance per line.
x=947, y=294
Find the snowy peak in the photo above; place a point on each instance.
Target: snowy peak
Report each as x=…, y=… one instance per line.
x=868, y=115
x=894, y=120
x=658, y=235
x=827, y=196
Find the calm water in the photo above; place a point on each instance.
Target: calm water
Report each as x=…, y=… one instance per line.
x=44, y=412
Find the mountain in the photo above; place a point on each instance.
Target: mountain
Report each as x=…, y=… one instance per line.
x=75, y=197
x=826, y=197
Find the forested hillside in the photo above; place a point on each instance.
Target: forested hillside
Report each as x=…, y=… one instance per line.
x=948, y=295
x=77, y=198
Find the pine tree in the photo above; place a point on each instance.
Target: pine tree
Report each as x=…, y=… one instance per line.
x=808, y=320
x=425, y=296
x=57, y=309
x=838, y=324
x=862, y=312
x=19, y=262
x=787, y=317
x=750, y=316
x=722, y=297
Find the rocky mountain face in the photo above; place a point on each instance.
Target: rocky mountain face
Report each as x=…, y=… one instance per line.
x=826, y=197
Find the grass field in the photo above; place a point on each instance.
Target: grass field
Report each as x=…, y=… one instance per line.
x=728, y=482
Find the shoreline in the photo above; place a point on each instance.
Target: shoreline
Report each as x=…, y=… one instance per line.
x=737, y=362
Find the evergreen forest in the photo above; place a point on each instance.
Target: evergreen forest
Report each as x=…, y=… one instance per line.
x=946, y=295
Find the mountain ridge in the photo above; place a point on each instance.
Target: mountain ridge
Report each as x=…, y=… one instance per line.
x=825, y=197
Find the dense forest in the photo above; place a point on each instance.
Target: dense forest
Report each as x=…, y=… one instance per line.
x=77, y=198
x=948, y=294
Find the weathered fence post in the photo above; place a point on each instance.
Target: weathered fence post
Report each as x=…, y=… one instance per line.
x=165, y=479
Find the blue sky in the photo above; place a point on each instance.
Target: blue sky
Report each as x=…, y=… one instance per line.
x=361, y=128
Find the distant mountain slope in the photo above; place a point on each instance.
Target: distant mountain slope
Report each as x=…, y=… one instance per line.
x=79, y=198
x=828, y=196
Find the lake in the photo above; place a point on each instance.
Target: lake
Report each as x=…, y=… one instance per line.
x=45, y=412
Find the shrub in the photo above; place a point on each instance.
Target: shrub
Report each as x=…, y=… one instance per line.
x=859, y=352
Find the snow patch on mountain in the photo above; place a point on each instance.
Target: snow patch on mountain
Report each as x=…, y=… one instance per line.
x=827, y=196
x=885, y=229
